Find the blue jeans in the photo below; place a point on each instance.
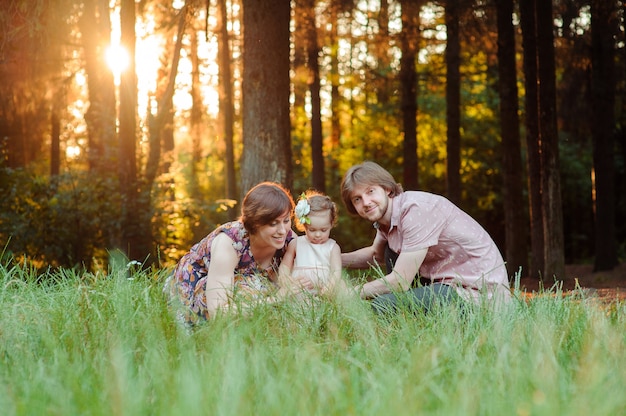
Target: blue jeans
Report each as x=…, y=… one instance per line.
x=422, y=296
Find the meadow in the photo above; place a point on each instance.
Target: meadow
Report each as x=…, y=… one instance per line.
x=106, y=344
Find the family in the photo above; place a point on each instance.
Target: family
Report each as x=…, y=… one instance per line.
x=433, y=252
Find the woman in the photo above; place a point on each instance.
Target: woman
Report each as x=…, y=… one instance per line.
x=238, y=260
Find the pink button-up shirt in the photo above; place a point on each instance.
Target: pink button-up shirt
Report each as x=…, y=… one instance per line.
x=460, y=252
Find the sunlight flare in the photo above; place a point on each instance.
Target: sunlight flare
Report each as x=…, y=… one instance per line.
x=117, y=59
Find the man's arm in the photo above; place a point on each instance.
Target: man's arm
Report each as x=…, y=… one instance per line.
x=404, y=271
x=365, y=257
x=358, y=259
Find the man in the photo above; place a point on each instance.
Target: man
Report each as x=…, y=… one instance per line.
x=420, y=235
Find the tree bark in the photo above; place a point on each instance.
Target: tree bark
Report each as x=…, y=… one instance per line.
x=227, y=107
x=265, y=93
x=516, y=235
x=382, y=78
x=603, y=12
x=408, y=80
x=335, y=124
x=533, y=141
x=453, y=101
x=552, y=208
x=159, y=124
x=197, y=111
x=131, y=220
x=95, y=27
x=312, y=49
x=55, y=143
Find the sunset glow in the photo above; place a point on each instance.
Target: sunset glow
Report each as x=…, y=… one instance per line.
x=117, y=59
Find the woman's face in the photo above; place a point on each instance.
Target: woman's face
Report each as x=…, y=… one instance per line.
x=275, y=233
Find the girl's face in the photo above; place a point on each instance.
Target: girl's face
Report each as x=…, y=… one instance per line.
x=318, y=231
x=275, y=233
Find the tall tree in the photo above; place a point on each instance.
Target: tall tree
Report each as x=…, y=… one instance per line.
x=95, y=28
x=265, y=94
x=53, y=52
x=25, y=74
x=554, y=256
x=227, y=106
x=603, y=15
x=197, y=110
x=161, y=124
x=531, y=121
x=312, y=52
x=300, y=72
x=131, y=220
x=453, y=100
x=409, y=42
x=382, y=79
x=335, y=124
x=516, y=253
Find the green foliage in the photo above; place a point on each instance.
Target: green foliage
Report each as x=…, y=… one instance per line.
x=107, y=344
x=67, y=220
x=576, y=161
x=185, y=208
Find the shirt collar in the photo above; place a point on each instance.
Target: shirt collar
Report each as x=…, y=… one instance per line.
x=396, y=204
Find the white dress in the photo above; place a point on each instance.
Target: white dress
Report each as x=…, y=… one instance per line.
x=313, y=260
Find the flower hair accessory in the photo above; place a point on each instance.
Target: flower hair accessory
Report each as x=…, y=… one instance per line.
x=302, y=209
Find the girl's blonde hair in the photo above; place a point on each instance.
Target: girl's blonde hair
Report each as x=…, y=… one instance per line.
x=318, y=203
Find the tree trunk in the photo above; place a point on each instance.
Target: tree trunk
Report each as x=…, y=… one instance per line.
x=381, y=82
x=552, y=208
x=516, y=247
x=531, y=105
x=313, y=50
x=55, y=142
x=299, y=56
x=265, y=94
x=409, y=38
x=159, y=126
x=196, y=112
x=453, y=101
x=131, y=220
x=603, y=12
x=227, y=108
x=335, y=124
x=95, y=27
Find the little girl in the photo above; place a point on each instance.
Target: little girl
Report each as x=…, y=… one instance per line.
x=314, y=259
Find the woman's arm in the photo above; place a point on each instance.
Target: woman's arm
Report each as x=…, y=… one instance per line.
x=285, y=281
x=221, y=274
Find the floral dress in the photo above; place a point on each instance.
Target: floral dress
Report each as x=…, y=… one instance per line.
x=188, y=282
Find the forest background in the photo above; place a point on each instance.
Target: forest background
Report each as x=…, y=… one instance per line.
x=136, y=127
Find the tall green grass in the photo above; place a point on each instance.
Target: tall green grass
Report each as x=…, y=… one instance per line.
x=76, y=344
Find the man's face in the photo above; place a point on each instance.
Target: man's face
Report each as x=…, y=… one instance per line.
x=370, y=202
